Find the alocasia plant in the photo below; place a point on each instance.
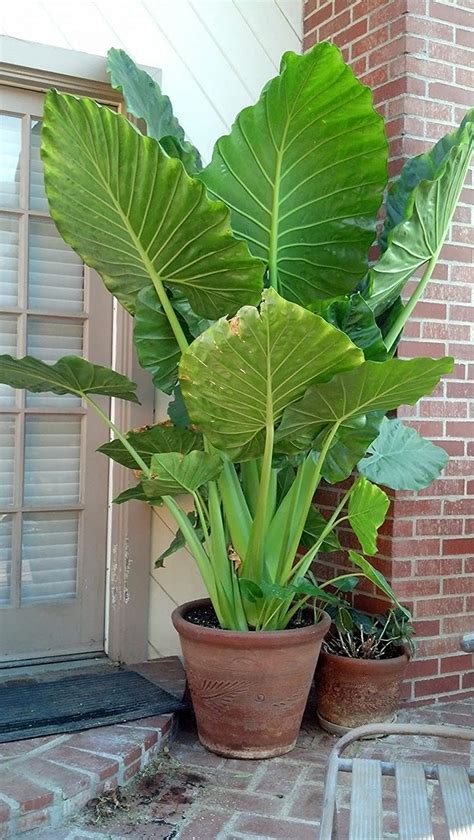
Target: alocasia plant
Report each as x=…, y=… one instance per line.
x=255, y=306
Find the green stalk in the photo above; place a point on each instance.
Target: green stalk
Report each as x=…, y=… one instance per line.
x=253, y=565
x=128, y=446
x=303, y=565
x=309, y=487
x=235, y=508
x=407, y=310
x=196, y=550
x=250, y=480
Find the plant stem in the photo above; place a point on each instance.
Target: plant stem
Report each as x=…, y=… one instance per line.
x=407, y=310
x=128, y=446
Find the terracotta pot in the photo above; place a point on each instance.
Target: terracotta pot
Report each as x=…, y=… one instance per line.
x=353, y=692
x=249, y=689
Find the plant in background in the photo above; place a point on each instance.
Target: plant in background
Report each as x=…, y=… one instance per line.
x=255, y=308
x=358, y=635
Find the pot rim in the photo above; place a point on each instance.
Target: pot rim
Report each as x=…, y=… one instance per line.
x=259, y=638
x=369, y=663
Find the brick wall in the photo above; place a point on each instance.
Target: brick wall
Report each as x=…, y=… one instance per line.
x=418, y=56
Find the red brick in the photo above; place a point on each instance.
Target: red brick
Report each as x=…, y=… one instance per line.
x=205, y=824
x=458, y=662
x=63, y=779
x=415, y=588
x=370, y=42
x=335, y=24
x=468, y=679
x=4, y=811
x=438, y=606
x=458, y=586
x=450, y=13
x=83, y=760
x=351, y=33
x=450, y=93
x=29, y=795
x=423, y=668
x=436, y=685
x=459, y=546
x=464, y=37
x=132, y=771
x=437, y=647
x=427, y=627
x=431, y=29
x=277, y=829
x=36, y=819
x=457, y=624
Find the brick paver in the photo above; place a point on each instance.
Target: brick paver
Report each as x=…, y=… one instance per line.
x=199, y=796
x=45, y=781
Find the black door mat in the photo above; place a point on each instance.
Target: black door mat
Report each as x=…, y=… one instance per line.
x=80, y=702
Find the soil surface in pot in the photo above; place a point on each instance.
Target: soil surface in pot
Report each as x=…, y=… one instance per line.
x=206, y=617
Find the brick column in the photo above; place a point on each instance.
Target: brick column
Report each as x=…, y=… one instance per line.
x=417, y=56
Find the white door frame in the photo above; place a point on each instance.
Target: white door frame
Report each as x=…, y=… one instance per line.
x=32, y=66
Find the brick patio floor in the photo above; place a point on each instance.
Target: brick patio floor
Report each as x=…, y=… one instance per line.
x=190, y=794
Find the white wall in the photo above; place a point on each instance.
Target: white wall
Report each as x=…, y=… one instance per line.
x=214, y=57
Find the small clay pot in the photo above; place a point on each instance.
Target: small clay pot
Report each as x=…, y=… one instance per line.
x=353, y=692
x=249, y=689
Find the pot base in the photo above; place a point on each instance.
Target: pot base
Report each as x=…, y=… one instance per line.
x=250, y=753
x=336, y=729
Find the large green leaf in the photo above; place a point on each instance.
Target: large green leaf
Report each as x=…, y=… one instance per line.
x=132, y=213
x=376, y=578
x=400, y=458
x=175, y=473
x=373, y=386
x=145, y=100
x=367, y=509
x=349, y=444
x=314, y=527
x=239, y=376
x=420, y=209
x=69, y=375
x=157, y=349
x=303, y=172
x=355, y=318
x=152, y=440
x=179, y=541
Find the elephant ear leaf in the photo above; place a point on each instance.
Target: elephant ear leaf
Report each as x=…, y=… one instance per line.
x=160, y=438
x=420, y=208
x=132, y=213
x=354, y=317
x=239, y=376
x=145, y=101
x=373, y=386
x=377, y=579
x=303, y=171
x=69, y=375
x=174, y=473
x=157, y=349
x=349, y=444
x=401, y=459
x=367, y=509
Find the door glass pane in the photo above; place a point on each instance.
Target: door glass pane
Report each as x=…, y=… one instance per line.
x=38, y=200
x=49, y=557
x=7, y=460
x=52, y=460
x=56, y=273
x=6, y=528
x=10, y=144
x=48, y=340
x=7, y=345
x=8, y=260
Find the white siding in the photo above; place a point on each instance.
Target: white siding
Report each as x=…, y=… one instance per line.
x=214, y=57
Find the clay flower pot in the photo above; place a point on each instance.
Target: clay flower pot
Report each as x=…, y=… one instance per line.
x=353, y=692
x=249, y=690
